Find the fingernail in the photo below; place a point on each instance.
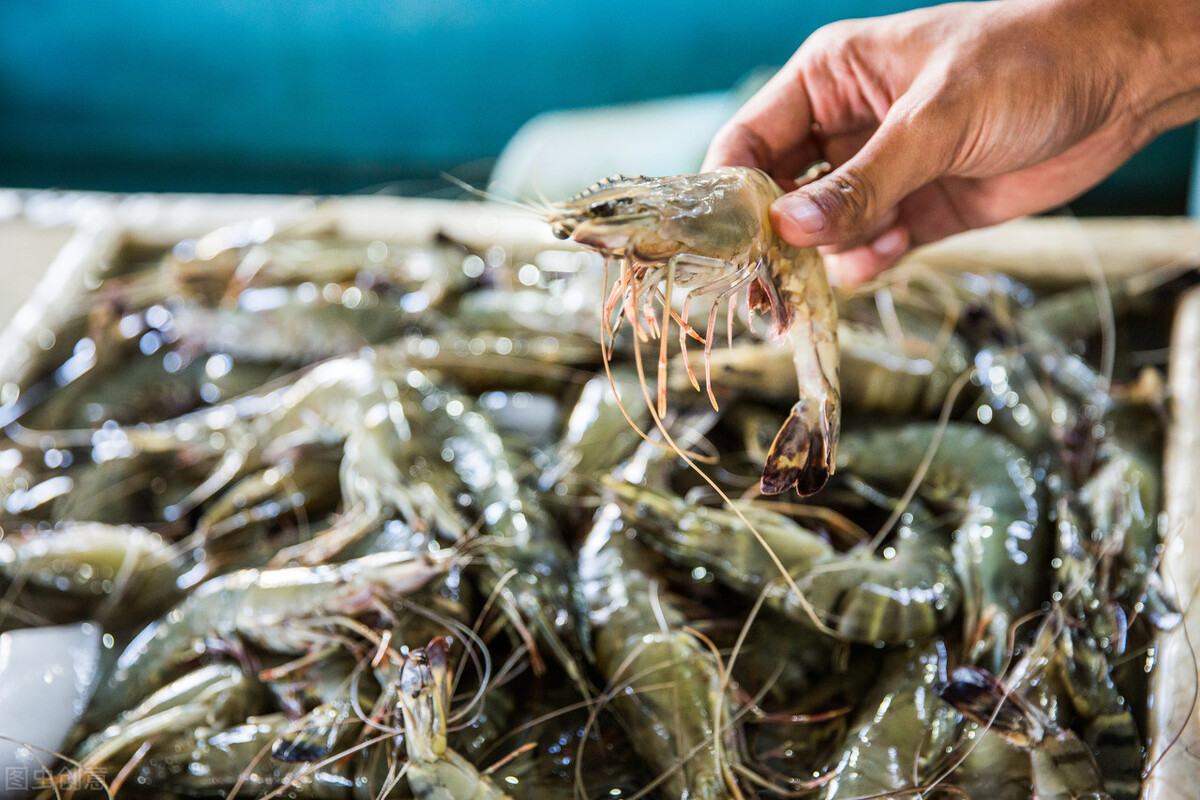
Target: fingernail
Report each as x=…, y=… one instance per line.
x=802, y=211
x=891, y=243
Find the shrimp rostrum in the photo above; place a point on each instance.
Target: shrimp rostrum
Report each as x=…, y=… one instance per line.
x=709, y=235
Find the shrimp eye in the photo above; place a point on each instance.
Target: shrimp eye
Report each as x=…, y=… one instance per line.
x=605, y=209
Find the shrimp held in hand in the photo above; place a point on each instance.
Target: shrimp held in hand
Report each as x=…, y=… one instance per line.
x=710, y=235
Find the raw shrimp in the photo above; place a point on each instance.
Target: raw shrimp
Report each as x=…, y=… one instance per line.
x=434, y=771
x=206, y=761
x=523, y=556
x=709, y=235
x=1124, y=497
x=667, y=688
x=1076, y=588
x=284, y=610
x=1001, y=541
x=78, y=570
x=215, y=695
x=901, y=733
x=1062, y=675
x=1108, y=724
x=908, y=594
x=1061, y=766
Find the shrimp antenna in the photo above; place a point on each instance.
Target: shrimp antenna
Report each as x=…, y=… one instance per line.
x=495, y=198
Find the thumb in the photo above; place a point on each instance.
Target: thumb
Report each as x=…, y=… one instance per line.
x=850, y=205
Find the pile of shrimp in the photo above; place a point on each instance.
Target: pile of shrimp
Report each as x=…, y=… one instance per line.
x=361, y=521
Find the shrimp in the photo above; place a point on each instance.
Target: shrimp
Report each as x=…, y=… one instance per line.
x=1061, y=766
x=900, y=734
x=524, y=557
x=596, y=438
x=434, y=771
x=1124, y=497
x=1062, y=672
x=1058, y=408
x=710, y=236
x=908, y=595
x=59, y=570
x=213, y=695
x=280, y=609
x=1108, y=724
x=1077, y=589
x=667, y=687
x=1001, y=538
x=204, y=761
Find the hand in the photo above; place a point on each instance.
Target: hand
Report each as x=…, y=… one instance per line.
x=960, y=116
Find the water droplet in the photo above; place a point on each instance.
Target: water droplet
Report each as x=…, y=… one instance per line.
x=528, y=274
x=377, y=251
x=472, y=266
x=306, y=292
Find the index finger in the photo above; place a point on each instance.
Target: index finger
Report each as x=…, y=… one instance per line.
x=771, y=131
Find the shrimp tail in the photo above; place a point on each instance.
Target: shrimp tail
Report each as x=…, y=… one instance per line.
x=312, y=740
x=982, y=698
x=802, y=452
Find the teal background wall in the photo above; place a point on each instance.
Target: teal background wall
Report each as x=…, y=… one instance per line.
x=360, y=95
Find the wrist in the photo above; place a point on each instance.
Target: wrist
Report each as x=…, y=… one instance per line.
x=1163, y=77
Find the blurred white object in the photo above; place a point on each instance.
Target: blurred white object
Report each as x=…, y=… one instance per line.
x=559, y=153
x=46, y=679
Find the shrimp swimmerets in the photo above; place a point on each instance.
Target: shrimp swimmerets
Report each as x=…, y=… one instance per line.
x=709, y=235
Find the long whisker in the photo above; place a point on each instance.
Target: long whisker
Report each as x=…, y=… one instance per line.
x=495, y=198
